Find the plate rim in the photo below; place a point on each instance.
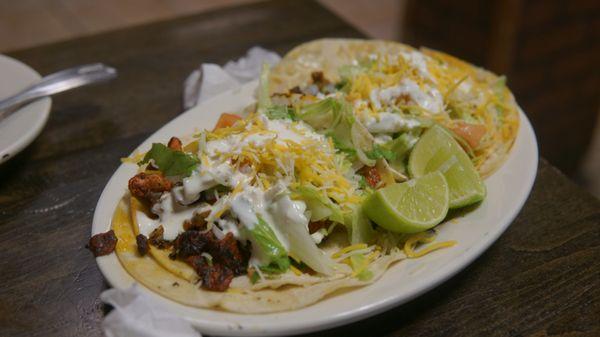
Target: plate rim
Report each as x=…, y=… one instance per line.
x=32, y=133
x=441, y=275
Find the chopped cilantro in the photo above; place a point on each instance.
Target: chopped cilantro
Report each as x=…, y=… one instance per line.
x=380, y=152
x=170, y=162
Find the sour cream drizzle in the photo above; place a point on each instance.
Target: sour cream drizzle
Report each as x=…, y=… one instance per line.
x=247, y=203
x=427, y=98
x=387, y=122
x=418, y=61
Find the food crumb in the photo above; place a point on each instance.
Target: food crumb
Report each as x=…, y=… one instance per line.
x=103, y=243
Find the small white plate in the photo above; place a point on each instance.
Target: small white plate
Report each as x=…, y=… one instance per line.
x=20, y=128
x=508, y=189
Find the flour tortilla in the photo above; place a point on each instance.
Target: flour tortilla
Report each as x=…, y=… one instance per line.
x=174, y=279
x=177, y=281
x=327, y=55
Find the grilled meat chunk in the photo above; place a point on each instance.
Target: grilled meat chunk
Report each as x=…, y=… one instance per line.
x=229, y=258
x=149, y=187
x=142, y=244
x=157, y=240
x=103, y=243
x=214, y=276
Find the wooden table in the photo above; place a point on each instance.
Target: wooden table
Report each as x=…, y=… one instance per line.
x=541, y=278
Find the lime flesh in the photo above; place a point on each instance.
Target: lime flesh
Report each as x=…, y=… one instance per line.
x=438, y=151
x=410, y=207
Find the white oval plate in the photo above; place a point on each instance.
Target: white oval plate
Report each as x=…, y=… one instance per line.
x=20, y=128
x=508, y=189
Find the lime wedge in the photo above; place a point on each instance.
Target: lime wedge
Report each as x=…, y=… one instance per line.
x=438, y=151
x=410, y=207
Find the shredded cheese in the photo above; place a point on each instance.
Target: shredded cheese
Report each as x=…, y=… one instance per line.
x=134, y=158
x=468, y=94
x=295, y=270
x=424, y=238
x=309, y=161
x=349, y=249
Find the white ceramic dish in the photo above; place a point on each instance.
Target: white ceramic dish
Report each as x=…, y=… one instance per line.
x=20, y=128
x=508, y=189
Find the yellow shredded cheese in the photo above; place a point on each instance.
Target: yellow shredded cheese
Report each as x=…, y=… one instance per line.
x=307, y=162
x=295, y=270
x=424, y=238
x=134, y=158
x=348, y=249
x=468, y=94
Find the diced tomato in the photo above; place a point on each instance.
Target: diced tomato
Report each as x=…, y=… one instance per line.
x=471, y=133
x=371, y=175
x=226, y=120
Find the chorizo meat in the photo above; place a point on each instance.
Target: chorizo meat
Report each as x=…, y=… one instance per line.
x=103, y=243
x=149, y=187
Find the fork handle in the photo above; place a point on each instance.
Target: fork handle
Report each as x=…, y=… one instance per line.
x=58, y=82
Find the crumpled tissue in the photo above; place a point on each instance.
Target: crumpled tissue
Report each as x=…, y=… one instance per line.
x=136, y=314
x=211, y=79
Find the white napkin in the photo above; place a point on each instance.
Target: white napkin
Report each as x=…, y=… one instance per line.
x=136, y=314
x=211, y=79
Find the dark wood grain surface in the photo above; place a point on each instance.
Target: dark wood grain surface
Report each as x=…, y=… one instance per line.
x=542, y=278
x=547, y=50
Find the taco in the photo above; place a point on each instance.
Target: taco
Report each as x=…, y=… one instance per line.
x=390, y=83
x=273, y=209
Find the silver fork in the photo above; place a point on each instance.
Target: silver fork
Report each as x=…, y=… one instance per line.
x=58, y=82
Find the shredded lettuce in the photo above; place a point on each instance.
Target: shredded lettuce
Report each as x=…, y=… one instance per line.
x=363, y=142
x=499, y=86
x=334, y=119
x=349, y=71
x=321, y=115
x=295, y=229
x=379, y=152
x=460, y=111
x=265, y=105
x=344, y=85
x=280, y=112
x=360, y=266
x=499, y=89
x=359, y=226
x=341, y=131
x=319, y=205
x=401, y=147
x=344, y=165
x=264, y=99
x=254, y=277
x=269, y=245
x=362, y=183
x=344, y=148
x=170, y=162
